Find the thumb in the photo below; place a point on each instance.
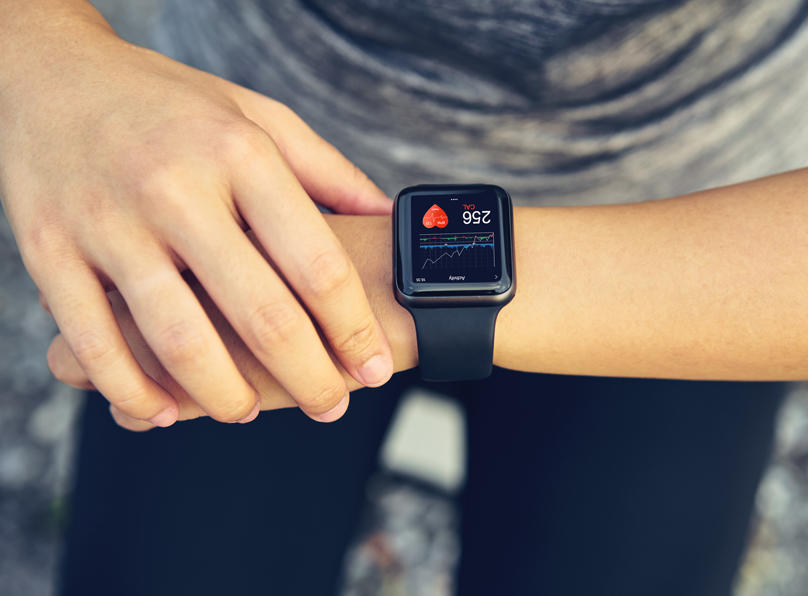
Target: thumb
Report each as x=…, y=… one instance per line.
x=326, y=174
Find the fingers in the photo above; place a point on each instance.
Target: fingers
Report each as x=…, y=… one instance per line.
x=128, y=422
x=66, y=368
x=64, y=365
x=83, y=314
x=262, y=309
x=314, y=263
x=345, y=188
x=178, y=331
x=149, y=362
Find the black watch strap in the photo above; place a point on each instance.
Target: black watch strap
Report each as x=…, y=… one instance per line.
x=457, y=343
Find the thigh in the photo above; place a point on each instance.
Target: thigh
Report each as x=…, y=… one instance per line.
x=210, y=508
x=588, y=485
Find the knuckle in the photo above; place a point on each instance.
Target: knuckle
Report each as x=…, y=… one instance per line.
x=158, y=181
x=45, y=242
x=135, y=402
x=93, y=350
x=359, y=341
x=281, y=115
x=40, y=237
x=274, y=324
x=125, y=421
x=325, y=399
x=162, y=189
x=242, y=141
x=283, y=110
x=179, y=344
x=329, y=272
x=233, y=411
x=118, y=417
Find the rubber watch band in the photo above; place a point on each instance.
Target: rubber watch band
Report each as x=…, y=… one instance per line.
x=455, y=343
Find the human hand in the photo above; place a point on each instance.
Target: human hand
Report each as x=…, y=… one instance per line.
x=120, y=168
x=367, y=240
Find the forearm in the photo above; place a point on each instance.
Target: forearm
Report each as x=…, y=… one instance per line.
x=712, y=285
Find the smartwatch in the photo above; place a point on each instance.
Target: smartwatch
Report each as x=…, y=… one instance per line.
x=453, y=269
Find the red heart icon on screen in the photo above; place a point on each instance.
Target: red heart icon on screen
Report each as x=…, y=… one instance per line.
x=435, y=216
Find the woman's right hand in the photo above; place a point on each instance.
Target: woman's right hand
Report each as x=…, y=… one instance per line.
x=120, y=168
x=374, y=266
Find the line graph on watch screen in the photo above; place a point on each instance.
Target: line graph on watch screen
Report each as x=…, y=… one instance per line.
x=454, y=251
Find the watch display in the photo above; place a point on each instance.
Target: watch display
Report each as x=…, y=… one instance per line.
x=455, y=237
x=453, y=240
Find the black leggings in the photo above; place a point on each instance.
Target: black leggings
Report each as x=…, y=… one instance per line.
x=575, y=486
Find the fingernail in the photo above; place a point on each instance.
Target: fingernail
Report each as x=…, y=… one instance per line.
x=252, y=415
x=165, y=418
x=335, y=412
x=376, y=370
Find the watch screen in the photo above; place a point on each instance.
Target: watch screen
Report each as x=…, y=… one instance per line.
x=455, y=238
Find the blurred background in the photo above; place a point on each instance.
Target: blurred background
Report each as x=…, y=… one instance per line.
x=408, y=542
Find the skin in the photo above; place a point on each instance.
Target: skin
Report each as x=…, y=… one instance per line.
x=122, y=169
x=711, y=285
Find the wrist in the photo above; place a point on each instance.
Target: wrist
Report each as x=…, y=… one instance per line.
x=40, y=45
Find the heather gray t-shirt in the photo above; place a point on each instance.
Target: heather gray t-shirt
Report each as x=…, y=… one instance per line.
x=561, y=102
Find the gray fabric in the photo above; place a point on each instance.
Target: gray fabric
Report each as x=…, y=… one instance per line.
x=574, y=102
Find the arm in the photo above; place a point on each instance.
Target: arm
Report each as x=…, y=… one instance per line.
x=711, y=285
